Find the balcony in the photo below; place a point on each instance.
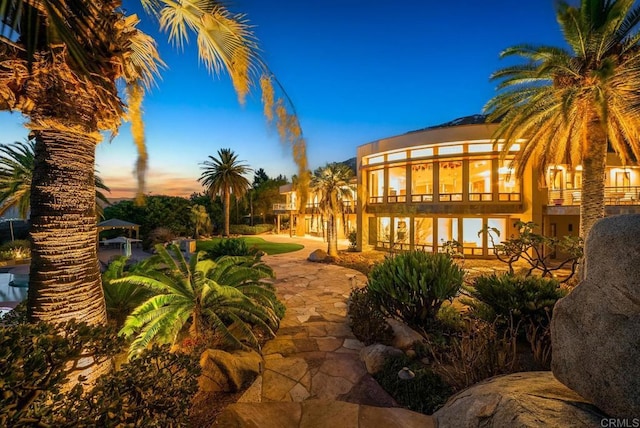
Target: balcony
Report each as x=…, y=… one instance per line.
x=279, y=208
x=628, y=195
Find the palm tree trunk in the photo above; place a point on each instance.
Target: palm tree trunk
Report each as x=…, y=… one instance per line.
x=594, y=168
x=64, y=276
x=226, y=202
x=332, y=236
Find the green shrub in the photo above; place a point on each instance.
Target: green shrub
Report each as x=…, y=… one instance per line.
x=230, y=247
x=425, y=393
x=15, y=250
x=413, y=285
x=367, y=322
x=353, y=240
x=526, y=302
x=450, y=318
x=521, y=298
x=243, y=229
x=153, y=391
x=477, y=353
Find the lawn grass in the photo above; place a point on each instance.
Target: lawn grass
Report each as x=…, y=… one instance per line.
x=270, y=248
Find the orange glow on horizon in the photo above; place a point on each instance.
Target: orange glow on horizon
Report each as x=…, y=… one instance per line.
x=156, y=184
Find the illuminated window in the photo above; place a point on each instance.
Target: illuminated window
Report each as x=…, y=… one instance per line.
x=508, y=185
x=480, y=180
x=422, y=182
x=397, y=184
x=376, y=159
x=396, y=156
x=500, y=225
x=480, y=148
x=376, y=186
x=421, y=153
x=384, y=229
x=401, y=233
x=423, y=233
x=447, y=230
x=471, y=241
x=449, y=150
x=450, y=180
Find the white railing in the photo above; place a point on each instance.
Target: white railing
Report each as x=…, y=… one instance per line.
x=284, y=207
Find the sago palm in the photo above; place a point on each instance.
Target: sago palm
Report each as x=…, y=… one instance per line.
x=223, y=176
x=332, y=184
x=62, y=63
x=569, y=105
x=16, y=173
x=192, y=297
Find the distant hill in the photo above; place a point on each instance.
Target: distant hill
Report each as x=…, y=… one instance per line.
x=351, y=163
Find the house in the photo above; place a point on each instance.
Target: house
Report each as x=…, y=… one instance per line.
x=424, y=188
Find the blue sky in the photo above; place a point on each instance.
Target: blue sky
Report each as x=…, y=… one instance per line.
x=356, y=70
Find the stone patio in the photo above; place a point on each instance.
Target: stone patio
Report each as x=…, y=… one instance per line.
x=313, y=364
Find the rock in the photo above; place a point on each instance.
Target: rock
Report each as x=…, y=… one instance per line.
x=319, y=256
x=224, y=371
x=528, y=399
x=318, y=413
x=595, y=330
x=374, y=356
x=403, y=336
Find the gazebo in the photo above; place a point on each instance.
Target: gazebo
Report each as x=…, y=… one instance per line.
x=114, y=223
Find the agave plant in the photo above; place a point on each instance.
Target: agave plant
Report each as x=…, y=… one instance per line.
x=227, y=297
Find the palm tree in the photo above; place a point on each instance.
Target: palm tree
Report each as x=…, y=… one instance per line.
x=223, y=176
x=62, y=64
x=332, y=184
x=227, y=296
x=570, y=105
x=16, y=173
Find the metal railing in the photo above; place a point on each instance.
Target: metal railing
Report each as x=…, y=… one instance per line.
x=627, y=195
x=284, y=207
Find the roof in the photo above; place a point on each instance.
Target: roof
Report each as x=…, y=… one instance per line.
x=117, y=223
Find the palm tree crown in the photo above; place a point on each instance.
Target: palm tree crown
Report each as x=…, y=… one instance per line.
x=223, y=176
x=332, y=184
x=568, y=105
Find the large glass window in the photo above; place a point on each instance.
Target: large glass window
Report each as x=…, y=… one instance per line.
x=397, y=184
x=447, y=231
x=423, y=233
x=471, y=239
x=376, y=186
x=401, y=233
x=480, y=180
x=422, y=182
x=498, y=231
x=508, y=185
x=450, y=180
x=384, y=232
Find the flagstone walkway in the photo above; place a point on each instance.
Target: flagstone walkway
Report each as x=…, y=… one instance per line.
x=314, y=361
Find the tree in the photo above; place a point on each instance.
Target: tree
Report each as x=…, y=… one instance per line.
x=267, y=193
x=191, y=296
x=16, y=173
x=332, y=184
x=201, y=220
x=570, y=105
x=223, y=176
x=62, y=64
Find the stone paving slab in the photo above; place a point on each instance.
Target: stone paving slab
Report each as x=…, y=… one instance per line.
x=319, y=414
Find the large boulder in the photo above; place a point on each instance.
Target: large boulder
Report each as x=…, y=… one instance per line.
x=318, y=256
x=403, y=336
x=595, y=330
x=224, y=371
x=374, y=356
x=530, y=399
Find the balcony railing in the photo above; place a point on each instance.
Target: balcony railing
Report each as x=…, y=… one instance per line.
x=284, y=207
x=628, y=195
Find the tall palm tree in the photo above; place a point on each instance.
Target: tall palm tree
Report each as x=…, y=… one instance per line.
x=569, y=105
x=332, y=184
x=16, y=173
x=61, y=64
x=189, y=297
x=223, y=176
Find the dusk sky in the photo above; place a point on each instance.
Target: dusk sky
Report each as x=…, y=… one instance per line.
x=356, y=70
